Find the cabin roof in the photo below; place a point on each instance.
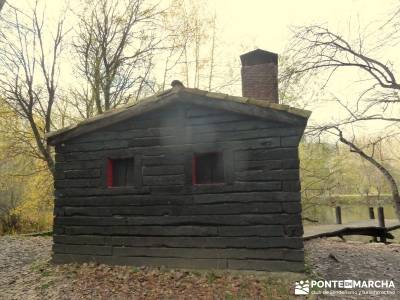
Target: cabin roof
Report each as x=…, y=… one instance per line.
x=248, y=106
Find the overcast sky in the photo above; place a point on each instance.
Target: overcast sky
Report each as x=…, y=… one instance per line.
x=246, y=25
x=266, y=24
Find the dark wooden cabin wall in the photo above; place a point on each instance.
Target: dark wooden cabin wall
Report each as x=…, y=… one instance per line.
x=253, y=221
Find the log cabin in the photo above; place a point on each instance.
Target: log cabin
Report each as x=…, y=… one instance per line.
x=185, y=178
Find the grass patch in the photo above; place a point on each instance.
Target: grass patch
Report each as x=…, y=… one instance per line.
x=135, y=269
x=46, y=285
x=211, y=277
x=42, y=267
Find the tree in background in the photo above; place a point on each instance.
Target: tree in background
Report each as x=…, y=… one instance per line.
x=192, y=51
x=2, y=2
x=29, y=62
x=316, y=50
x=319, y=167
x=23, y=206
x=115, y=44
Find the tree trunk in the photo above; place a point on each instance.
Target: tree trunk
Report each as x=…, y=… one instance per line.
x=2, y=2
x=388, y=176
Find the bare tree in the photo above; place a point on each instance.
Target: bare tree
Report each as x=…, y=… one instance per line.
x=194, y=51
x=315, y=50
x=2, y=2
x=371, y=158
x=29, y=61
x=115, y=46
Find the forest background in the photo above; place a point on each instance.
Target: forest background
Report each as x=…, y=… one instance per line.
x=61, y=65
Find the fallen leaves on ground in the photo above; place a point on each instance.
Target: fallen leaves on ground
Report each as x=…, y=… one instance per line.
x=27, y=273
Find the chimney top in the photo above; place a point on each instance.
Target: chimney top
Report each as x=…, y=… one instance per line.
x=260, y=75
x=258, y=57
x=177, y=84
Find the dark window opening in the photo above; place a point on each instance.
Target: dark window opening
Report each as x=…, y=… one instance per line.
x=120, y=172
x=208, y=168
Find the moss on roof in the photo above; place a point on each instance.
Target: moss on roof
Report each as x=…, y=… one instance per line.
x=181, y=94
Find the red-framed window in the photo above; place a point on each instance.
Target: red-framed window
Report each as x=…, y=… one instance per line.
x=120, y=172
x=208, y=168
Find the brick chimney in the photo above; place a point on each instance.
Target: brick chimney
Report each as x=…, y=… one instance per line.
x=260, y=75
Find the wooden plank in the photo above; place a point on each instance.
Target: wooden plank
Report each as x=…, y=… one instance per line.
x=294, y=230
x=163, y=170
x=232, y=137
x=251, y=110
x=164, y=180
x=291, y=186
x=162, y=159
x=259, y=165
x=124, y=151
x=150, y=200
x=237, y=186
x=77, y=183
x=93, y=146
x=203, y=242
x=291, y=207
x=125, y=200
x=247, y=124
x=114, y=133
x=215, y=119
x=82, y=249
x=275, y=253
x=257, y=230
x=243, y=135
x=77, y=174
x=79, y=239
x=143, y=230
x=210, y=220
x=266, y=154
x=168, y=190
x=247, y=197
x=290, y=164
x=227, y=231
x=178, y=210
x=291, y=141
x=101, y=191
x=79, y=165
x=244, y=130
x=267, y=175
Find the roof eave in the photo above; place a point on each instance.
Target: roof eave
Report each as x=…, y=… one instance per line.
x=257, y=108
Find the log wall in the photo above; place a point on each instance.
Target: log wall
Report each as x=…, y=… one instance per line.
x=252, y=221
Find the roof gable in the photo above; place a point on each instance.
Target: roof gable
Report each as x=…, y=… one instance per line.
x=247, y=106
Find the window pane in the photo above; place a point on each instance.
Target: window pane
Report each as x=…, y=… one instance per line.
x=209, y=168
x=122, y=172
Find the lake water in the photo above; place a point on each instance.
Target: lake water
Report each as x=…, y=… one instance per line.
x=325, y=214
x=350, y=213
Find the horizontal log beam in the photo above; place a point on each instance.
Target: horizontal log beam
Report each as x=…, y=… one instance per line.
x=368, y=231
x=182, y=242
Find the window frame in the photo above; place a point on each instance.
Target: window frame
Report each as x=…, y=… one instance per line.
x=111, y=163
x=137, y=173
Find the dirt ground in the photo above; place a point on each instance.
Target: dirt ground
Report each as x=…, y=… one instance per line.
x=26, y=273
x=332, y=259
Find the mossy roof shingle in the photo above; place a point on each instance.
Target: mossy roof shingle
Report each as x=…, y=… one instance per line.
x=258, y=108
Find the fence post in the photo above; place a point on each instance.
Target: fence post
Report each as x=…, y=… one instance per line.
x=371, y=213
x=338, y=215
x=381, y=221
x=372, y=217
